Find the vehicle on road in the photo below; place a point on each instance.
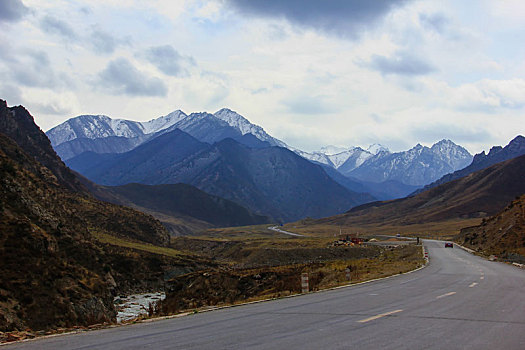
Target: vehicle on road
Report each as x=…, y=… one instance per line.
x=449, y=245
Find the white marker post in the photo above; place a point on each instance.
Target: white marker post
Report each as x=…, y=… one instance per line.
x=304, y=283
x=348, y=274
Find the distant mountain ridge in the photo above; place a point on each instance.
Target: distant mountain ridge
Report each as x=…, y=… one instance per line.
x=418, y=166
x=515, y=148
x=396, y=174
x=482, y=193
x=341, y=158
x=101, y=134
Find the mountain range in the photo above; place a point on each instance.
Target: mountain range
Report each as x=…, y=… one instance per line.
x=101, y=134
x=384, y=174
x=340, y=158
x=515, y=148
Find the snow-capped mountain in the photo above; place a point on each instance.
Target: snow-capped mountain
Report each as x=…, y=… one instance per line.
x=205, y=127
x=242, y=124
x=356, y=157
x=101, y=134
x=93, y=127
x=331, y=150
x=376, y=148
x=164, y=122
x=342, y=159
x=497, y=154
x=101, y=126
x=418, y=166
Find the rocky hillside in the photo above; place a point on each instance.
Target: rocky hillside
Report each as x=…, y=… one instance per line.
x=18, y=124
x=502, y=235
x=53, y=270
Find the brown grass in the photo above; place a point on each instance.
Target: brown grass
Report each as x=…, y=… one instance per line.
x=128, y=243
x=440, y=230
x=217, y=288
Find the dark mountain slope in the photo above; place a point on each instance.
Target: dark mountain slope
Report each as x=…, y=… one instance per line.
x=270, y=181
x=502, y=235
x=18, y=124
x=52, y=274
x=183, y=202
x=111, y=144
x=385, y=190
x=148, y=160
x=479, y=194
x=497, y=154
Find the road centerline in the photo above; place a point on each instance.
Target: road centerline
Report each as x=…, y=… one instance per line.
x=473, y=284
x=445, y=295
x=379, y=316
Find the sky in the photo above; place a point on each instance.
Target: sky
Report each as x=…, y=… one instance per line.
x=311, y=73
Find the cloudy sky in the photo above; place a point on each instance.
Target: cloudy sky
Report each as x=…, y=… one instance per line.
x=312, y=73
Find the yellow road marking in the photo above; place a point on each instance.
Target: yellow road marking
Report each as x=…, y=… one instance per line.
x=379, y=316
x=445, y=295
x=473, y=284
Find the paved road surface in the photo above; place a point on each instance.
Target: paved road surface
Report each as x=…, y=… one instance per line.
x=458, y=302
x=276, y=229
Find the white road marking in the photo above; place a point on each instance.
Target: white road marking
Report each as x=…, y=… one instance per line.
x=482, y=278
x=473, y=284
x=379, y=316
x=445, y=295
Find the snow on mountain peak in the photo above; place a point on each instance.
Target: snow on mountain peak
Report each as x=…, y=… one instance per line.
x=242, y=124
x=376, y=148
x=163, y=122
x=332, y=150
x=92, y=127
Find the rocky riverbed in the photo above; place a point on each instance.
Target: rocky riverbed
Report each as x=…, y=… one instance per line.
x=132, y=306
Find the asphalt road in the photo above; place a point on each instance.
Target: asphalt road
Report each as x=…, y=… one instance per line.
x=458, y=301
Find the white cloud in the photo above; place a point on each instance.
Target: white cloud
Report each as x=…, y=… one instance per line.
x=436, y=67
x=121, y=77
